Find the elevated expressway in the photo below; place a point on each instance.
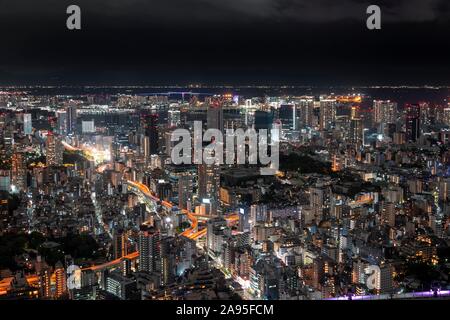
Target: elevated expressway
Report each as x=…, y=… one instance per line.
x=151, y=201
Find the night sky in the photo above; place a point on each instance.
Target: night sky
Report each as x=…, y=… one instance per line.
x=303, y=42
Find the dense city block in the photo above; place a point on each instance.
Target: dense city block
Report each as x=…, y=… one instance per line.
x=93, y=207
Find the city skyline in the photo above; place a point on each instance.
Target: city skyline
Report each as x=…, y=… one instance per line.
x=94, y=206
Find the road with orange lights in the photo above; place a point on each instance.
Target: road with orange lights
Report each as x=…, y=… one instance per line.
x=190, y=232
x=112, y=263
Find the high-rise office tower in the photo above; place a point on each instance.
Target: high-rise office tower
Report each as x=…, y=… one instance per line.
x=209, y=174
x=71, y=119
x=6, y=133
x=120, y=243
x=60, y=280
x=383, y=279
x=319, y=199
x=168, y=143
x=19, y=170
x=150, y=124
x=146, y=148
x=120, y=286
x=258, y=213
x=214, y=117
x=388, y=213
x=45, y=283
x=306, y=112
x=168, y=260
x=215, y=228
x=149, y=249
x=412, y=122
x=27, y=125
x=358, y=271
x=263, y=120
x=288, y=118
x=427, y=113
x=54, y=150
x=126, y=267
x=61, y=116
x=115, y=150
x=356, y=133
x=185, y=193
x=174, y=118
x=88, y=126
x=244, y=219
x=384, y=111
x=354, y=112
x=208, y=185
x=327, y=113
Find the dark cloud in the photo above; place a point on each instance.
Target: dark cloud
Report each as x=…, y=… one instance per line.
x=224, y=40
x=229, y=11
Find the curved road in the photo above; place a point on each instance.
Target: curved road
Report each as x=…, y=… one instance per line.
x=191, y=232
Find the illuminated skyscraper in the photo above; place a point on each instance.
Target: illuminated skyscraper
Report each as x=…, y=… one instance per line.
x=149, y=249
x=383, y=279
x=146, y=147
x=356, y=131
x=120, y=244
x=354, y=112
x=71, y=118
x=327, y=113
x=120, y=286
x=427, y=113
x=185, y=193
x=54, y=150
x=319, y=200
x=215, y=117
x=45, y=283
x=60, y=280
x=19, y=171
x=27, y=126
x=288, y=117
x=208, y=185
x=61, y=116
x=412, y=122
x=150, y=124
x=214, y=235
x=306, y=112
x=168, y=260
x=174, y=118
x=209, y=174
x=388, y=213
x=384, y=111
x=88, y=126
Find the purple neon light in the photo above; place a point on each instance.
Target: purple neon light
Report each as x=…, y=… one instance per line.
x=441, y=293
